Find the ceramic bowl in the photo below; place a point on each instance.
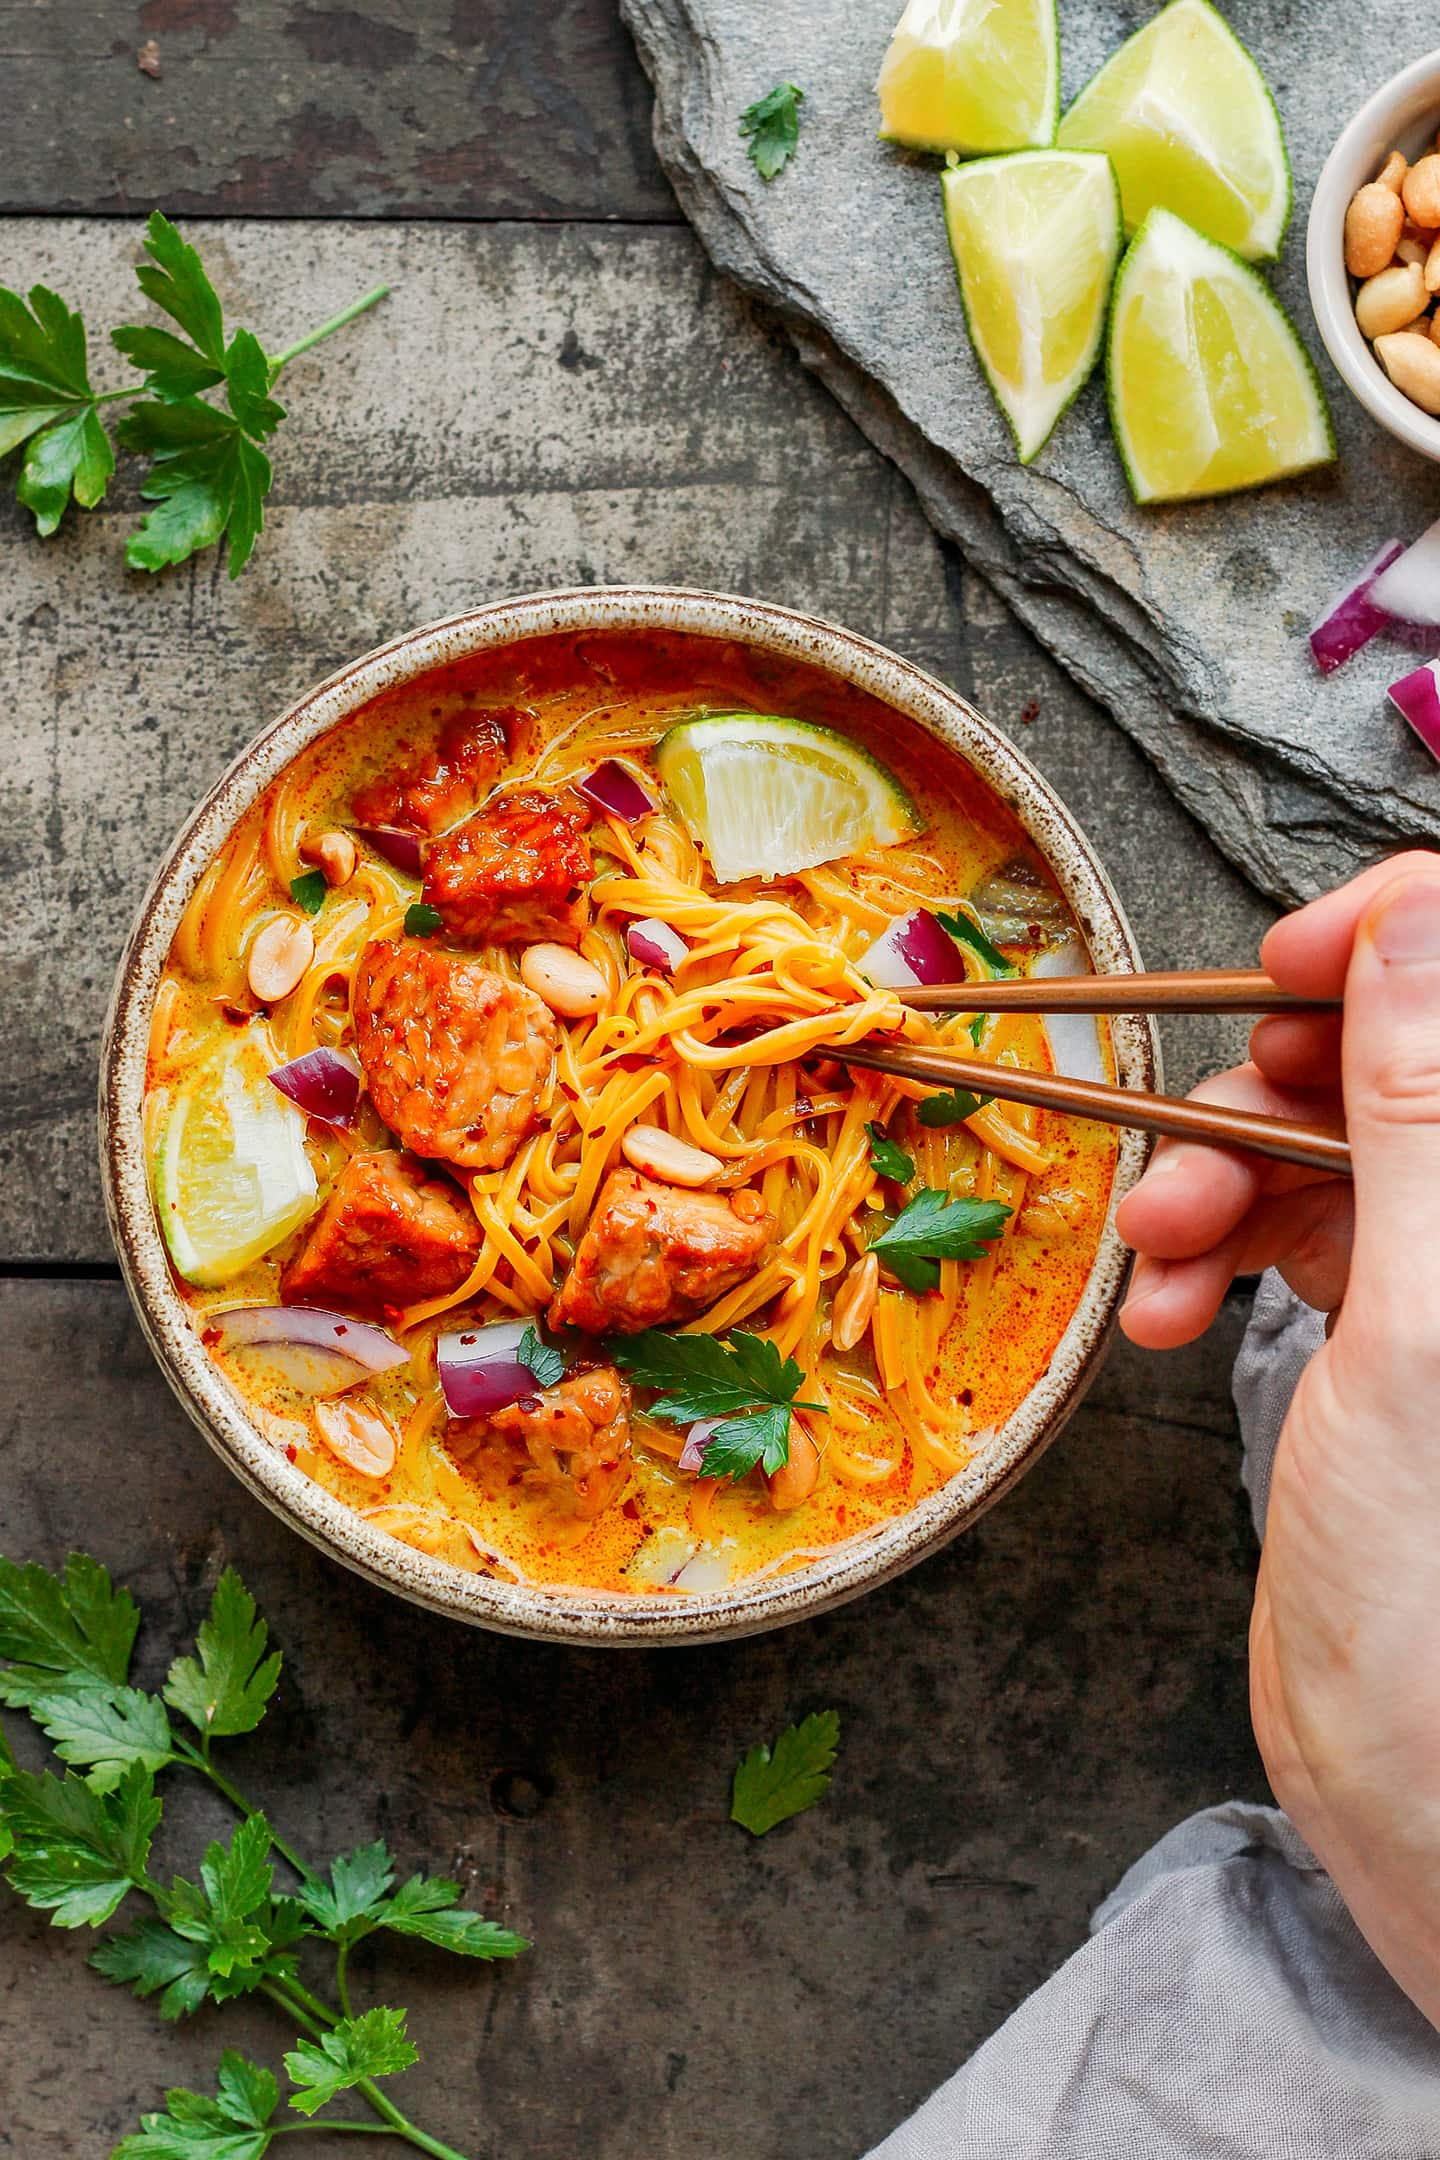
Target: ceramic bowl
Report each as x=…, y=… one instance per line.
x=583, y=1616
x=1403, y=115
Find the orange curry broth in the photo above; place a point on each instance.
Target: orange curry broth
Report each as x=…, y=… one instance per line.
x=1014, y=1305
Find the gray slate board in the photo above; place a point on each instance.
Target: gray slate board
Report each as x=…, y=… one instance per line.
x=1188, y=623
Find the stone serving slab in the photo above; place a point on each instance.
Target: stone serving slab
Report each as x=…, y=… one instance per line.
x=1188, y=623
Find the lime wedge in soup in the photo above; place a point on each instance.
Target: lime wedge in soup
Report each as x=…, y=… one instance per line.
x=971, y=75
x=1035, y=237
x=232, y=1177
x=1210, y=388
x=767, y=796
x=1184, y=115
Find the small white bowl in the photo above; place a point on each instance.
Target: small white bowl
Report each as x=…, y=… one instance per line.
x=1403, y=115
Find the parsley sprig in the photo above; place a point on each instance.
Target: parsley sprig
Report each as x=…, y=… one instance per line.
x=771, y=127
x=743, y=1381
x=934, y=1228
x=887, y=1158
x=951, y=1108
x=774, y=1783
x=208, y=476
x=80, y=1846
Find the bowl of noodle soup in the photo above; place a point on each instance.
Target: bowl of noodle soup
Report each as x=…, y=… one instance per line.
x=452, y=1097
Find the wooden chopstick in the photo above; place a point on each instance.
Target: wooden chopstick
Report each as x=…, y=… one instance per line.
x=1198, y=990
x=1311, y=1146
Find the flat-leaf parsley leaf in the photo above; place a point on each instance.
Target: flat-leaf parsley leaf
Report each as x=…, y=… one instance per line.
x=969, y=933
x=772, y=1784
x=934, y=1228
x=743, y=1381
x=537, y=1357
x=887, y=1157
x=308, y=891
x=772, y=125
x=952, y=1108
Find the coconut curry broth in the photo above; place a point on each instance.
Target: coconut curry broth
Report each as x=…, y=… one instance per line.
x=916, y=1398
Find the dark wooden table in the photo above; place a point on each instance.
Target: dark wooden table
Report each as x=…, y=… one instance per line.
x=560, y=390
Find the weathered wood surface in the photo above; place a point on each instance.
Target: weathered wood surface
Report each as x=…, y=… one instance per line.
x=1022, y=1716
x=292, y=108
x=532, y=408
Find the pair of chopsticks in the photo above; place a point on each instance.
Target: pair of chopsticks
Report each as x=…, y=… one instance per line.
x=1200, y=990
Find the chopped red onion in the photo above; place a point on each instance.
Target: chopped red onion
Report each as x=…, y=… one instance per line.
x=913, y=950
x=1409, y=590
x=692, y=1454
x=400, y=849
x=1353, y=617
x=325, y=1084
x=480, y=1369
x=1418, y=698
x=318, y=1352
x=654, y=944
x=614, y=788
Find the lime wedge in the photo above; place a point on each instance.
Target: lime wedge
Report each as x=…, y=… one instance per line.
x=1035, y=237
x=1210, y=388
x=972, y=75
x=767, y=796
x=231, y=1174
x=1183, y=114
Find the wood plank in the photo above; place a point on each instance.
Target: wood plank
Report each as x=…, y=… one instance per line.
x=1022, y=1716
x=533, y=407
x=340, y=108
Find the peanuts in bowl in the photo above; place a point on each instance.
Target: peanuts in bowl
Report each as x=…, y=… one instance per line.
x=1392, y=250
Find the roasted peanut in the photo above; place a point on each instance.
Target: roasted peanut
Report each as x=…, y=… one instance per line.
x=1412, y=361
x=570, y=986
x=1433, y=327
x=1432, y=267
x=334, y=853
x=792, y=1484
x=855, y=1303
x=1420, y=191
x=1391, y=300
x=1411, y=249
x=1373, y=225
x=278, y=958
x=359, y=1437
x=659, y=1154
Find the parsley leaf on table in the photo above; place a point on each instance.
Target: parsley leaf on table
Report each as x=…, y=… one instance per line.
x=357, y=1900
x=232, y=2126
x=46, y=399
x=744, y=1381
x=364, y=2047
x=104, y=1730
x=63, y=1633
x=772, y=1784
x=547, y=1365
x=933, y=1228
x=969, y=933
x=226, y=1692
x=207, y=477
x=76, y=1852
x=887, y=1158
x=772, y=125
x=952, y=1108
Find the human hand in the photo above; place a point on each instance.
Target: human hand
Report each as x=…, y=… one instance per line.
x=1345, y=1637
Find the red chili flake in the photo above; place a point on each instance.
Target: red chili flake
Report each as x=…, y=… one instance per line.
x=631, y=1509
x=341, y=1328
x=967, y=1396
x=467, y=1338
x=1030, y=713
x=291, y=1450
x=210, y=1336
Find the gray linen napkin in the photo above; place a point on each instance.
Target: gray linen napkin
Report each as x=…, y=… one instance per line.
x=1225, y=2006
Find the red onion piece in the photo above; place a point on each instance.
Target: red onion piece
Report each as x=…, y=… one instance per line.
x=613, y=787
x=480, y=1369
x=654, y=944
x=1352, y=617
x=319, y=1352
x=693, y=1453
x=1409, y=590
x=400, y=849
x=1418, y=697
x=325, y=1084
x=913, y=950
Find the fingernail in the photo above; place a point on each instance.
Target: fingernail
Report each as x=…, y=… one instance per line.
x=1407, y=929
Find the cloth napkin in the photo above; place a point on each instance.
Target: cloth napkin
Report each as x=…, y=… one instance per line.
x=1225, y=2006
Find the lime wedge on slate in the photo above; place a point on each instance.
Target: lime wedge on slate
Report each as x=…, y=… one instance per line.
x=1183, y=114
x=767, y=796
x=231, y=1174
x=1210, y=388
x=1035, y=237
x=972, y=75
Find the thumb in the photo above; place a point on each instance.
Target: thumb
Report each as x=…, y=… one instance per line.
x=1391, y=1060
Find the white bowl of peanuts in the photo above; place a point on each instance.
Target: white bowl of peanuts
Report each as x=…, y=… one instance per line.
x=1373, y=255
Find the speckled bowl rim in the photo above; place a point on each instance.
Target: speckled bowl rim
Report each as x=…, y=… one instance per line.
x=578, y=1615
